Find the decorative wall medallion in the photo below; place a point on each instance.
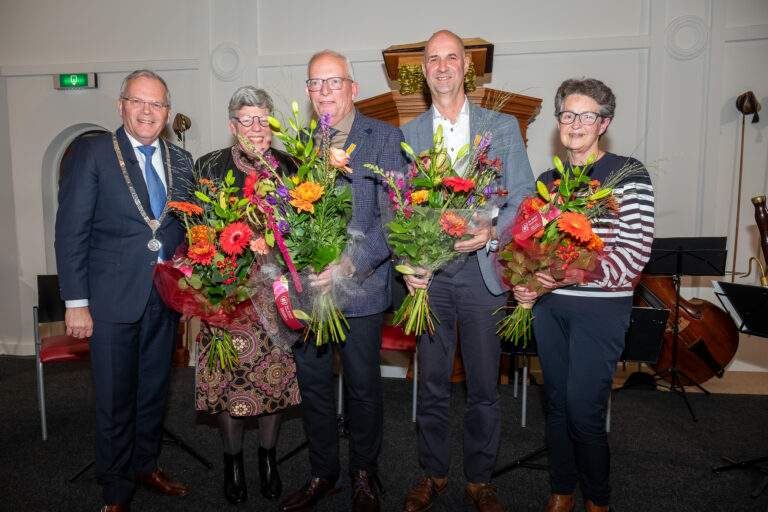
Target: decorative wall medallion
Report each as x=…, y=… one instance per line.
x=686, y=37
x=227, y=62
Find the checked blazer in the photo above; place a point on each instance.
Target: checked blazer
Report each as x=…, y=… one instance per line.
x=376, y=142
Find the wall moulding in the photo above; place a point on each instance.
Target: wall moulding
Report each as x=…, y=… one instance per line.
x=227, y=62
x=125, y=66
x=676, y=34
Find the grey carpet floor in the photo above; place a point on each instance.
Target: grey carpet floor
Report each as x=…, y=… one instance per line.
x=661, y=459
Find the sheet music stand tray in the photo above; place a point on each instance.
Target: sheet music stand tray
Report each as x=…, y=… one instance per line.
x=700, y=256
x=747, y=306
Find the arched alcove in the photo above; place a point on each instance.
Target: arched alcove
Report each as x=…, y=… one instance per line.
x=52, y=158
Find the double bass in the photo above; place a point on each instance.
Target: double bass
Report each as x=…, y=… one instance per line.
x=707, y=337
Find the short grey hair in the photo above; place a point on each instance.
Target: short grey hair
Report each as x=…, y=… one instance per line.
x=331, y=53
x=590, y=87
x=250, y=96
x=146, y=73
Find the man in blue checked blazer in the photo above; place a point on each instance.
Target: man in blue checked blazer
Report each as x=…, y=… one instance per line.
x=465, y=297
x=331, y=89
x=112, y=228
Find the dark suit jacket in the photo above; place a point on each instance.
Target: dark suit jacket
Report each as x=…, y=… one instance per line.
x=101, y=239
x=507, y=145
x=376, y=142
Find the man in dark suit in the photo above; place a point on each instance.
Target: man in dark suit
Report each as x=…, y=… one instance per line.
x=331, y=89
x=468, y=295
x=112, y=228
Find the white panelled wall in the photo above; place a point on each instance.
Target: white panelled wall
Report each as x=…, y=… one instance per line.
x=676, y=67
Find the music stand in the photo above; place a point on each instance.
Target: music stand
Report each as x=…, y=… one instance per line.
x=747, y=306
x=702, y=256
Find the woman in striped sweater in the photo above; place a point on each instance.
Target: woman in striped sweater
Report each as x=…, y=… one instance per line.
x=580, y=326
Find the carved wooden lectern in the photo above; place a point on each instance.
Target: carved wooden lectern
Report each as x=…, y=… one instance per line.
x=403, y=65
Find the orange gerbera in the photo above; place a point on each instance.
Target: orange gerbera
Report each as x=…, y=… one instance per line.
x=419, y=196
x=235, y=237
x=453, y=224
x=595, y=243
x=210, y=184
x=306, y=194
x=459, y=184
x=200, y=233
x=576, y=225
x=184, y=207
x=202, y=252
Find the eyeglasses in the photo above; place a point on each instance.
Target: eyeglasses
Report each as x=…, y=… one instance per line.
x=248, y=121
x=585, y=118
x=139, y=103
x=334, y=83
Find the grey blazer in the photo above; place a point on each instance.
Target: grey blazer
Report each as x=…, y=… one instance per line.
x=507, y=145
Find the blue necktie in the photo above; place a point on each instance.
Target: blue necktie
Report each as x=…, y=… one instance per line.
x=154, y=184
x=154, y=187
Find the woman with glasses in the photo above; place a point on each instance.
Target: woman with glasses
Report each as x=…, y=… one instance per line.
x=264, y=383
x=580, y=326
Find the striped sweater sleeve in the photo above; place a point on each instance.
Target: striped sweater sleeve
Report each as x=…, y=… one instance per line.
x=627, y=238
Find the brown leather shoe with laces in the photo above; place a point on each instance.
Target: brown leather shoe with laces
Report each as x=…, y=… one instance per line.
x=560, y=503
x=484, y=496
x=162, y=484
x=364, y=497
x=421, y=495
x=307, y=497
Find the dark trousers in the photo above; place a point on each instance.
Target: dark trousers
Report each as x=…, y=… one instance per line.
x=460, y=298
x=360, y=360
x=579, y=344
x=131, y=366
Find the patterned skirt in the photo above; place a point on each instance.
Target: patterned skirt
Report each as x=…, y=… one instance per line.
x=264, y=382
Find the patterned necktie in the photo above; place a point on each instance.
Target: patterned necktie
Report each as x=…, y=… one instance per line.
x=154, y=184
x=155, y=187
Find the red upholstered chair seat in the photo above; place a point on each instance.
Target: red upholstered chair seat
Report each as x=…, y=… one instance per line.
x=62, y=348
x=393, y=338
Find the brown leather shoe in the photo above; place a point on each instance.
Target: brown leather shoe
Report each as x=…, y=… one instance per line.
x=591, y=507
x=116, y=508
x=364, y=497
x=484, y=496
x=305, y=498
x=162, y=484
x=560, y=503
x=421, y=495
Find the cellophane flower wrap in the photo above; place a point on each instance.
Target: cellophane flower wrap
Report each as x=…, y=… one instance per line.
x=216, y=275
x=552, y=233
x=312, y=210
x=433, y=208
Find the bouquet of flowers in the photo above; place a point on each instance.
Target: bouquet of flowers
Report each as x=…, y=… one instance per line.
x=552, y=233
x=214, y=275
x=433, y=208
x=312, y=211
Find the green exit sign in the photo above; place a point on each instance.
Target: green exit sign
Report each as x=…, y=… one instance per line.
x=74, y=81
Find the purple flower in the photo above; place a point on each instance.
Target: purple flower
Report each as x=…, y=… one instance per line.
x=325, y=121
x=283, y=192
x=284, y=227
x=470, y=200
x=488, y=190
x=271, y=199
x=485, y=142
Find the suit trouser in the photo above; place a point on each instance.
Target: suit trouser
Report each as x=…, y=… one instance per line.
x=360, y=360
x=579, y=343
x=131, y=366
x=461, y=297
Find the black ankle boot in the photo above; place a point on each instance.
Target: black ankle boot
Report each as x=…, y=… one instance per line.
x=234, y=478
x=271, y=486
